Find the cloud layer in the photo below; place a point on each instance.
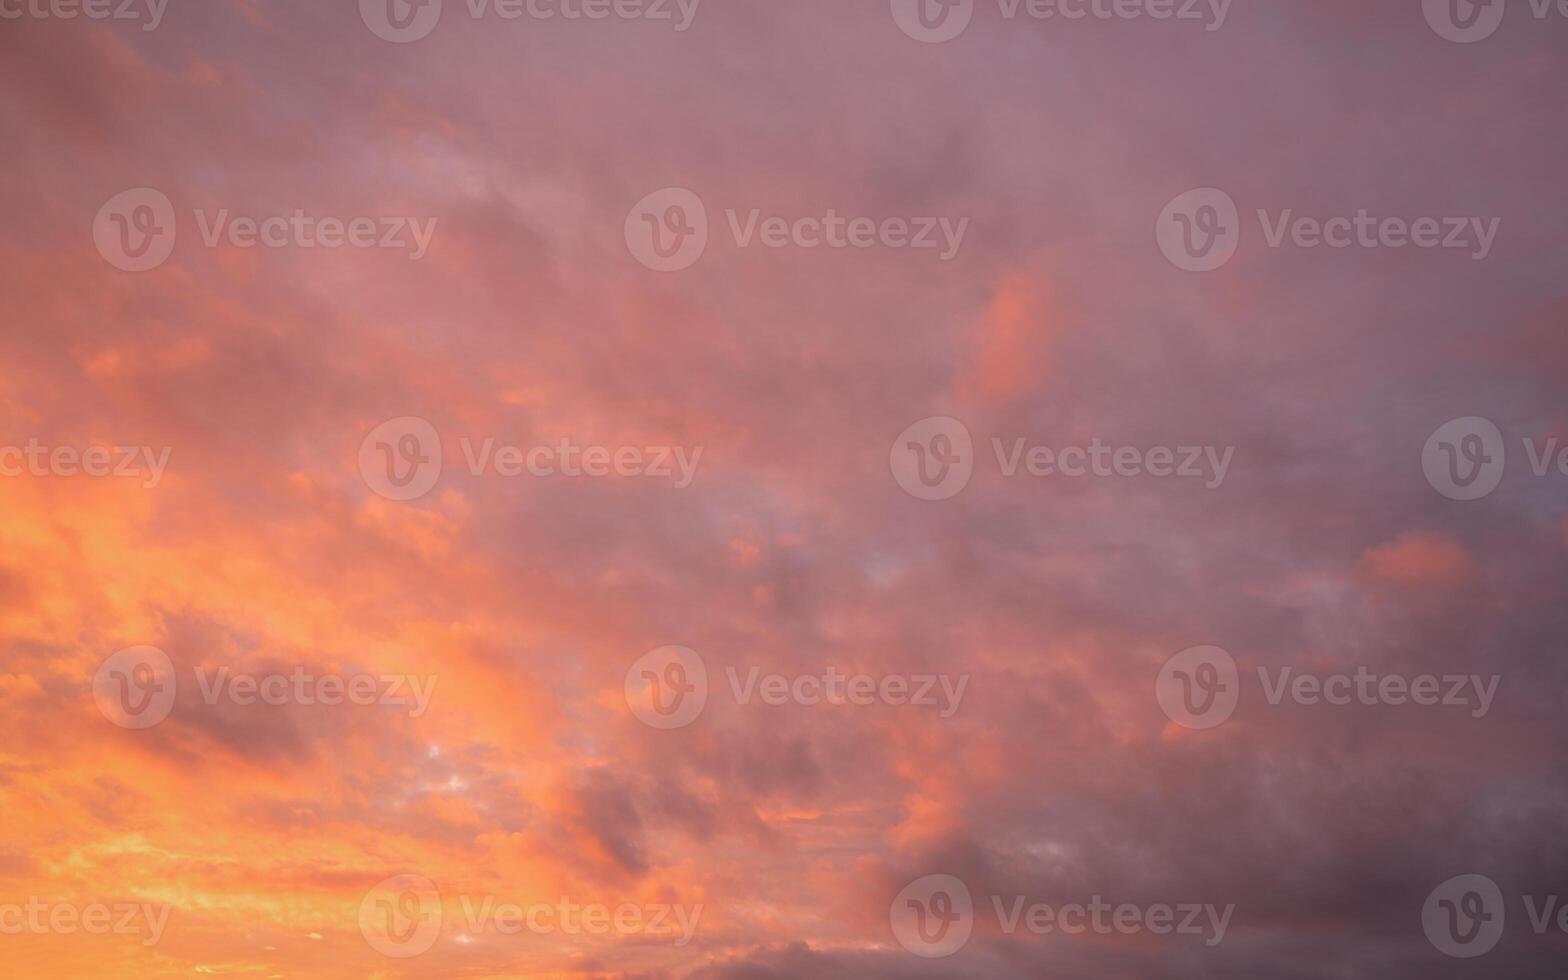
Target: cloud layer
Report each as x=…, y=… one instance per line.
x=266, y=825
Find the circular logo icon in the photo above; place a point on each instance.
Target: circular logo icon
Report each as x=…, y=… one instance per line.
x=668, y=230
x=933, y=21
x=400, y=21
x=1463, y=917
x=933, y=916
x=135, y=230
x=1199, y=230
x=1465, y=459
x=1464, y=21
x=401, y=917
x=668, y=687
x=401, y=459
x=135, y=688
x=933, y=459
x=1199, y=687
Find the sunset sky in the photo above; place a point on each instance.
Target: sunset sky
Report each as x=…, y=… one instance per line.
x=625, y=463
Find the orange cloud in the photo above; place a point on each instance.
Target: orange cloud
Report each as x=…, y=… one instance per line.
x=1417, y=560
x=1012, y=344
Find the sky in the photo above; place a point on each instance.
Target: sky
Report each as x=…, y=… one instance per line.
x=757, y=489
